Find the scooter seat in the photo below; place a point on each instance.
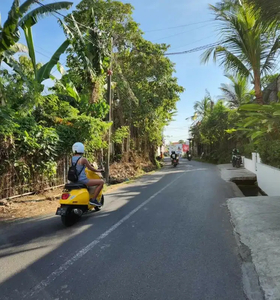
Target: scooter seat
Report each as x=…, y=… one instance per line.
x=75, y=186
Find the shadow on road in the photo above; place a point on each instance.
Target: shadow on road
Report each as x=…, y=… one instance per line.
x=46, y=229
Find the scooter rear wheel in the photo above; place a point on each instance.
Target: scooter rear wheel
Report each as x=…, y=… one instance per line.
x=70, y=219
x=238, y=164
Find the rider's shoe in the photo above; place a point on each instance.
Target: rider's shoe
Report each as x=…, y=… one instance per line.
x=95, y=202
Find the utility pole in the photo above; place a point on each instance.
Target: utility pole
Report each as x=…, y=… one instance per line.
x=109, y=116
x=109, y=119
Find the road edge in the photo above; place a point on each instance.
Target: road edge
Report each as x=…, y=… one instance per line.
x=250, y=279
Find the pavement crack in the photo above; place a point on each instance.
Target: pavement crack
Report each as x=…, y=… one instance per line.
x=251, y=283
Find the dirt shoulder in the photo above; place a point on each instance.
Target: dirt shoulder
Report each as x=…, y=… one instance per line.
x=47, y=202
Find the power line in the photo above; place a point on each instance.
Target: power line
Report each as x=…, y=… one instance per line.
x=46, y=51
x=194, y=49
x=94, y=30
x=167, y=54
x=180, y=26
x=42, y=54
x=179, y=33
x=208, y=37
x=66, y=17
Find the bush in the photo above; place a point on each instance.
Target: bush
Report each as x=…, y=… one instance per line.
x=269, y=151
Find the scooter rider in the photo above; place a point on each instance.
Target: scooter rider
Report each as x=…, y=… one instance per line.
x=81, y=164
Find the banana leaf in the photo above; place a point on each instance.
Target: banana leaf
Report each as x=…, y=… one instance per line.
x=31, y=18
x=256, y=134
x=45, y=71
x=9, y=34
x=276, y=113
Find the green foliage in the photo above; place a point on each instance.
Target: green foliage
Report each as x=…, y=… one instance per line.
x=84, y=129
x=247, y=46
x=31, y=18
x=38, y=130
x=19, y=16
x=237, y=92
x=269, y=11
x=33, y=153
x=9, y=33
x=216, y=133
x=269, y=149
x=7, y=125
x=120, y=134
x=147, y=92
x=260, y=121
x=202, y=108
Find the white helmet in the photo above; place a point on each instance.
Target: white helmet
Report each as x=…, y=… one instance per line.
x=78, y=148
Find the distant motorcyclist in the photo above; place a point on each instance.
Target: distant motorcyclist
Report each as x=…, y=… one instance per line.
x=189, y=155
x=174, y=155
x=236, y=158
x=235, y=151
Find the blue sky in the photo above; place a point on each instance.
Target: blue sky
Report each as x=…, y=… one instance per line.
x=154, y=15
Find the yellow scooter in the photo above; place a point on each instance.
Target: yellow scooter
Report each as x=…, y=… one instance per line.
x=74, y=201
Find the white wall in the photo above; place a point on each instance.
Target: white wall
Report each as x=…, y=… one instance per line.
x=268, y=179
x=249, y=165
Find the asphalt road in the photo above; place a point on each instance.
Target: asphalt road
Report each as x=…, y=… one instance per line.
x=166, y=236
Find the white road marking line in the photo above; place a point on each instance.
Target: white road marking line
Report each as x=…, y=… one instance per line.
x=46, y=282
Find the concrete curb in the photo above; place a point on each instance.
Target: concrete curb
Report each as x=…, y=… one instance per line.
x=250, y=278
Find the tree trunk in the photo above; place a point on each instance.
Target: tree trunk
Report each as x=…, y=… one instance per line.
x=152, y=154
x=127, y=147
x=258, y=88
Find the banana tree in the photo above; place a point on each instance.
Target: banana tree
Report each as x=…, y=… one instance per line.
x=29, y=20
x=9, y=33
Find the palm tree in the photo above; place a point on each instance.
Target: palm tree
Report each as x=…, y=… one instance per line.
x=269, y=9
x=247, y=47
x=237, y=92
x=203, y=108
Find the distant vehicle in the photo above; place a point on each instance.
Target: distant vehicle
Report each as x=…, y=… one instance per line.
x=175, y=162
x=236, y=161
